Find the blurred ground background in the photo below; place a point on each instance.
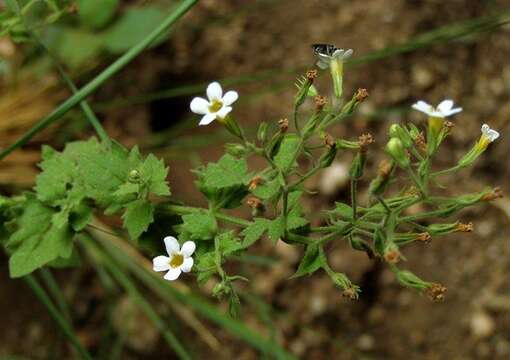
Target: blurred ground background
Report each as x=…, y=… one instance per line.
x=258, y=47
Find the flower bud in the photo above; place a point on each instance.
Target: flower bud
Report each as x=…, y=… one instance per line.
x=379, y=184
x=134, y=176
x=496, y=193
x=397, y=131
x=436, y=292
x=235, y=149
x=408, y=279
x=392, y=255
x=327, y=158
x=254, y=182
x=396, y=150
x=358, y=165
x=283, y=125
x=303, y=87
x=262, y=132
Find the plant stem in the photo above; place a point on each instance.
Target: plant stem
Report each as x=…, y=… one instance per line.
x=54, y=289
x=100, y=79
x=60, y=320
x=354, y=201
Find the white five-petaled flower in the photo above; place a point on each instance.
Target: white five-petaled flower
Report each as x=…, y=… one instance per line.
x=339, y=54
x=444, y=109
x=178, y=259
x=489, y=133
x=216, y=107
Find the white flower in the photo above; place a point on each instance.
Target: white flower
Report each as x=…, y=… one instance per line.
x=218, y=105
x=339, y=54
x=178, y=259
x=489, y=133
x=444, y=109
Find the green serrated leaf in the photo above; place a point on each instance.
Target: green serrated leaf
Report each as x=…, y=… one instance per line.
x=154, y=173
x=138, y=216
x=205, y=266
x=276, y=229
x=227, y=172
x=344, y=210
x=38, y=240
x=74, y=56
x=97, y=13
x=133, y=27
x=286, y=157
x=228, y=243
x=199, y=226
x=255, y=231
x=267, y=190
x=311, y=262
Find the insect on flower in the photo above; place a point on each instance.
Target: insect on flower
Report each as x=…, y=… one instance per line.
x=217, y=107
x=178, y=259
x=328, y=53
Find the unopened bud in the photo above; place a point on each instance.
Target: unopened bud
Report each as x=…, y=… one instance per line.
x=350, y=293
x=392, y=256
x=311, y=75
x=254, y=203
x=329, y=141
x=262, y=132
x=396, y=150
x=361, y=95
x=436, y=292
x=464, y=227
x=254, y=182
x=421, y=142
x=283, y=124
x=364, y=141
x=134, y=176
x=496, y=193
x=424, y=237
x=235, y=149
x=320, y=102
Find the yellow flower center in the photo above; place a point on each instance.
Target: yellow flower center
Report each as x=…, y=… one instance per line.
x=176, y=260
x=215, y=106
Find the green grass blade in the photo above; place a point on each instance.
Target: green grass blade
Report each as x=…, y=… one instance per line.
x=100, y=79
x=60, y=320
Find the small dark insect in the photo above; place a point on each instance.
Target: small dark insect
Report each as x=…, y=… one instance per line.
x=324, y=49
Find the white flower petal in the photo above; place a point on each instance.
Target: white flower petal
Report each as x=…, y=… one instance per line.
x=172, y=274
x=188, y=248
x=187, y=265
x=492, y=135
x=338, y=53
x=161, y=263
x=324, y=57
x=223, y=112
x=214, y=91
x=452, y=112
x=230, y=97
x=423, y=107
x=321, y=64
x=207, y=119
x=199, y=106
x=348, y=53
x=445, y=106
x=171, y=245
